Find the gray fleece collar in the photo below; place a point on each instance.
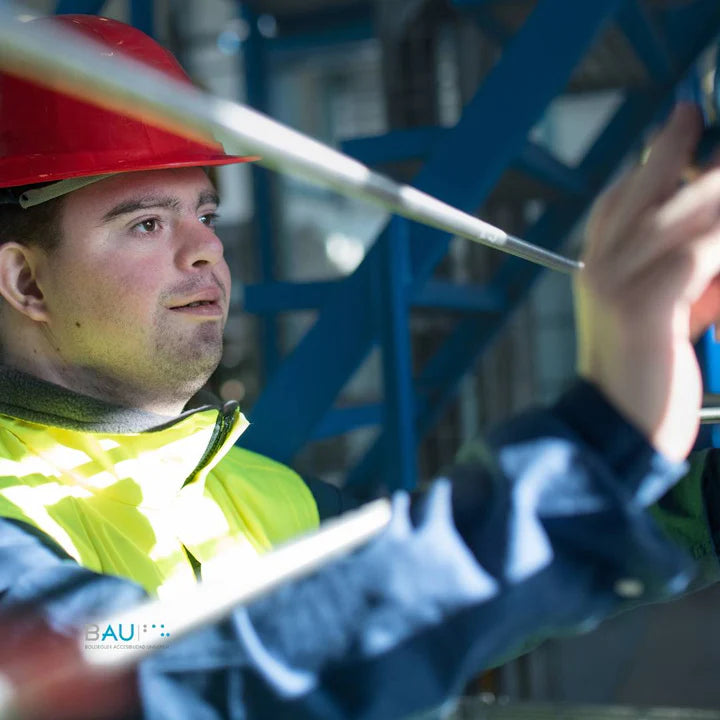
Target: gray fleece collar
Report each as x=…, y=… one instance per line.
x=28, y=398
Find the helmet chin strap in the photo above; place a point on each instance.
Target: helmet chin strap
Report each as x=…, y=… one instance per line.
x=36, y=196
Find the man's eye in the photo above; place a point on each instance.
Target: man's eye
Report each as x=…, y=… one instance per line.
x=209, y=219
x=150, y=225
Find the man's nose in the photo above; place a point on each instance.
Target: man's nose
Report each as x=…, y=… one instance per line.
x=197, y=245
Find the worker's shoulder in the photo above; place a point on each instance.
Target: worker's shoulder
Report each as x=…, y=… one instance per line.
x=272, y=490
x=329, y=499
x=239, y=458
x=251, y=474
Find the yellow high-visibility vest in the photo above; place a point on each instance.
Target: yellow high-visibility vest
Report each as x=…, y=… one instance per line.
x=139, y=505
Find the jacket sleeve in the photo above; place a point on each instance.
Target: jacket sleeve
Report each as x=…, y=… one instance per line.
x=545, y=531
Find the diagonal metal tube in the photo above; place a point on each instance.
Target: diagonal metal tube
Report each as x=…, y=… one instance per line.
x=55, y=56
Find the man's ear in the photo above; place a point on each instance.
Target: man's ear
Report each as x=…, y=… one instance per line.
x=18, y=282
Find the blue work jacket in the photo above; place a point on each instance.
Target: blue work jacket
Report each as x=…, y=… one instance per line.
x=547, y=531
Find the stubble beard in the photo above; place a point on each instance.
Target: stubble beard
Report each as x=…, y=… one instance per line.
x=184, y=364
x=163, y=377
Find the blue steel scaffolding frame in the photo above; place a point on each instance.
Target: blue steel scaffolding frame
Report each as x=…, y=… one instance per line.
x=371, y=307
x=308, y=381
x=492, y=134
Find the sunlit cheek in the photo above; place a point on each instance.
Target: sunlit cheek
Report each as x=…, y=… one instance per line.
x=123, y=299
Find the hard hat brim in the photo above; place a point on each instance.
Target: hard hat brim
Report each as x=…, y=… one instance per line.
x=27, y=171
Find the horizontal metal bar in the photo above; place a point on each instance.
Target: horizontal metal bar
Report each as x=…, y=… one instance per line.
x=710, y=415
x=58, y=57
x=287, y=296
x=541, y=164
x=462, y=298
x=320, y=39
x=87, y=7
x=343, y=419
x=480, y=3
x=416, y=144
x=309, y=31
x=267, y=298
x=650, y=47
x=394, y=146
x=142, y=15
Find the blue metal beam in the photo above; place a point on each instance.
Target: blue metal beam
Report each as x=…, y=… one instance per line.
x=483, y=3
x=417, y=143
x=84, y=7
x=353, y=330
x=650, y=47
x=268, y=298
x=279, y=297
x=394, y=146
x=708, y=351
x=458, y=298
x=340, y=420
x=391, y=310
x=716, y=90
x=142, y=15
x=294, y=401
x=484, y=17
x=327, y=40
x=538, y=162
x=439, y=380
x=495, y=125
x=323, y=30
x=255, y=69
x=310, y=31
x=680, y=22
x=325, y=19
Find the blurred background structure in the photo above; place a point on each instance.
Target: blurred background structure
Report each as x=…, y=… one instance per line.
x=367, y=351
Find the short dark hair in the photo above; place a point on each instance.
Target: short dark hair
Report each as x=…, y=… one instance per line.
x=39, y=226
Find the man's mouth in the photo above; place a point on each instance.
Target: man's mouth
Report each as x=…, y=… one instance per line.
x=197, y=303
x=204, y=301
x=202, y=308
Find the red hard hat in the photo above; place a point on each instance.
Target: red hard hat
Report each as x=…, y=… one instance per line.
x=47, y=136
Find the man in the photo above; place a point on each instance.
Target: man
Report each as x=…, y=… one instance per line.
x=114, y=297
x=119, y=291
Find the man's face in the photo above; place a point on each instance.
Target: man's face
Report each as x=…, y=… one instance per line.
x=138, y=290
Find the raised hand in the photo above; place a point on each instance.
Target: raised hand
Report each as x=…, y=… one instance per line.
x=649, y=287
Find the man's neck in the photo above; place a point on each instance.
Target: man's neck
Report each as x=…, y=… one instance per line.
x=35, y=400
x=90, y=383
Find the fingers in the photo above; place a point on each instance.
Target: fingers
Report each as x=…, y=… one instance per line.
x=673, y=284
x=692, y=212
x=658, y=178
x=669, y=155
x=605, y=206
x=648, y=282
